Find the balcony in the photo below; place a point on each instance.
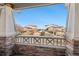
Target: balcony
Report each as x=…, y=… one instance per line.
x=39, y=45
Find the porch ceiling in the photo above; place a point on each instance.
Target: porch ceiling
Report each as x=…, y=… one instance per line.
x=19, y=6
x=29, y=5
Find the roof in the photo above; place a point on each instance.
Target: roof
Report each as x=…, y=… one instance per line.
x=19, y=6
x=28, y=5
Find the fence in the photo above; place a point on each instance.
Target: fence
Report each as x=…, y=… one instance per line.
x=43, y=41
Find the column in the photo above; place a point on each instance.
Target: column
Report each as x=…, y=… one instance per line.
x=7, y=30
x=72, y=31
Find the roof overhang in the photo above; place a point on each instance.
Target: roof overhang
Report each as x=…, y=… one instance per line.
x=19, y=6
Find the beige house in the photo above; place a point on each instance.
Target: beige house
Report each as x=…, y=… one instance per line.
x=54, y=30
x=30, y=30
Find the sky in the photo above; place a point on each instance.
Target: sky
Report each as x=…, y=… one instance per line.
x=41, y=16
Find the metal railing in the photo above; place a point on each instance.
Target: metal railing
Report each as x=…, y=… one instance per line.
x=44, y=41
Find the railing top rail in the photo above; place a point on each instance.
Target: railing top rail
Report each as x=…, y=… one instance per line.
x=39, y=36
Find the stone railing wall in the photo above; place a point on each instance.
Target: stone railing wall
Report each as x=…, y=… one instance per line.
x=39, y=45
x=43, y=41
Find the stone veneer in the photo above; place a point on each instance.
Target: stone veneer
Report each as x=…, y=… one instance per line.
x=27, y=50
x=6, y=46
x=72, y=47
x=76, y=47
